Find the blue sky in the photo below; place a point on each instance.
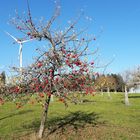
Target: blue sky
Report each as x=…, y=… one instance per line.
x=119, y=21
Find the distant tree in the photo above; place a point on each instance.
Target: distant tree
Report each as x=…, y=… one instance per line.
x=2, y=78
x=99, y=83
x=133, y=80
x=132, y=77
x=126, y=77
x=119, y=82
x=2, y=86
x=135, y=75
x=106, y=82
x=2, y=81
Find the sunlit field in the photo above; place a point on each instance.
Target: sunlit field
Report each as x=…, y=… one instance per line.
x=97, y=118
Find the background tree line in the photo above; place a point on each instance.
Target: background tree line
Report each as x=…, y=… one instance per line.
x=111, y=82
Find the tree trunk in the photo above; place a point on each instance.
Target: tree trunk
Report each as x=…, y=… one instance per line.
x=102, y=92
x=108, y=92
x=44, y=118
x=126, y=96
x=115, y=91
x=52, y=98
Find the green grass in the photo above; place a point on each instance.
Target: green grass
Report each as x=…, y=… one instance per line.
x=98, y=118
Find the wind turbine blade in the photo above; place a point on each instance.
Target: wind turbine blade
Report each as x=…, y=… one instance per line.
x=26, y=40
x=11, y=36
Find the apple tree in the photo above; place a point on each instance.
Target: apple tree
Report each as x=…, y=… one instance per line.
x=58, y=70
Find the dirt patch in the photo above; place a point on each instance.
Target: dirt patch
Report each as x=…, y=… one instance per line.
x=98, y=132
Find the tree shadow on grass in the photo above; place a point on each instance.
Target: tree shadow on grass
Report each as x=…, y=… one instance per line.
x=134, y=96
x=88, y=101
x=16, y=113
x=74, y=120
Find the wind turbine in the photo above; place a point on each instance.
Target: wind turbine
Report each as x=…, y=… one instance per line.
x=20, y=42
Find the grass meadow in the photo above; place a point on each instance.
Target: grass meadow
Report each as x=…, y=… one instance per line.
x=97, y=118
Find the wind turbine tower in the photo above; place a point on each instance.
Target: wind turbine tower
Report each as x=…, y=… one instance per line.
x=20, y=42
